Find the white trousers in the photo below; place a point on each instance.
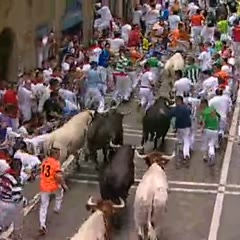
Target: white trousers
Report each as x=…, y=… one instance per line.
x=155, y=73
x=11, y=212
x=94, y=94
x=210, y=138
x=26, y=112
x=123, y=88
x=236, y=48
x=15, y=124
x=223, y=125
x=196, y=34
x=207, y=34
x=134, y=78
x=45, y=199
x=103, y=73
x=184, y=137
x=146, y=97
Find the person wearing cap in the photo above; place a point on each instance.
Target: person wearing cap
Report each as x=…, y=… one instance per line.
x=51, y=182
x=11, y=198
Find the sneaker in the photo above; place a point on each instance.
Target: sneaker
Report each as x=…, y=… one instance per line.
x=205, y=159
x=43, y=231
x=186, y=161
x=211, y=161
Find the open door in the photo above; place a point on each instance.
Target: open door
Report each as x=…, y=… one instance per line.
x=6, y=48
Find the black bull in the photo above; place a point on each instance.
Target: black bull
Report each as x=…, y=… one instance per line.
x=156, y=121
x=104, y=128
x=118, y=175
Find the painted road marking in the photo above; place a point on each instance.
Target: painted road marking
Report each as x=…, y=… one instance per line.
x=138, y=180
x=218, y=207
x=172, y=189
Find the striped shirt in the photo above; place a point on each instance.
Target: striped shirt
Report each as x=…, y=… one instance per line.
x=122, y=64
x=10, y=189
x=192, y=72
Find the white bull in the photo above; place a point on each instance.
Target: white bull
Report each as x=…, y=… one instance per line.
x=174, y=63
x=151, y=197
x=71, y=136
x=96, y=227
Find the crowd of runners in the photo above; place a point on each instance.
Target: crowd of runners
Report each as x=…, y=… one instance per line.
x=125, y=60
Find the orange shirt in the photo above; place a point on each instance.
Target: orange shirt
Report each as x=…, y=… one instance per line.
x=223, y=75
x=135, y=56
x=184, y=36
x=197, y=20
x=49, y=168
x=174, y=37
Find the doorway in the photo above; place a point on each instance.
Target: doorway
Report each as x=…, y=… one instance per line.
x=7, y=37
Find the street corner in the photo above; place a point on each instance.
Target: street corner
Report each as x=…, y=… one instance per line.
x=65, y=224
x=229, y=222
x=188, y=217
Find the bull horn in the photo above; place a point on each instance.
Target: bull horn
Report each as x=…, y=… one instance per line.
x=140, y=155
x=126, y=113
x=167, y=157
x=121, y=205
x=111, y=144
x=91, y=203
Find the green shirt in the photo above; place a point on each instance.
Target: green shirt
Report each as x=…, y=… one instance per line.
x=210, y=118
x=192, y=72
x=218, y=46
x=122, y=64
x=223, y=26
x=153, y=62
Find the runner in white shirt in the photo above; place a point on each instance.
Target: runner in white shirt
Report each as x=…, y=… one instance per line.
x=174, y=21
x=222, y=105
x=126, y=29
x=182, y=85
x=151, y=18
x=209, y=86
x=146, y=88
x=116, y=43
x=106, y=18
x=95, y=53
x=204, y=58
x=137, y=14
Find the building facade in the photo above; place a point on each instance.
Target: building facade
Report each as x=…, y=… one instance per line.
x=22, y=22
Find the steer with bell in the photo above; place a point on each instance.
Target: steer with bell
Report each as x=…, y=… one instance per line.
x=97, y=226
x=151, y=196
